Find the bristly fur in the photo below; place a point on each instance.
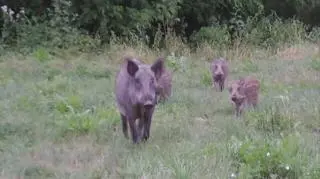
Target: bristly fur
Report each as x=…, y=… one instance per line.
x=164, y=85
x=244, y=92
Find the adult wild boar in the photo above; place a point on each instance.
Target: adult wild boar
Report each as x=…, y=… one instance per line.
x=244, y=92
x=220, y=71
x=135, y=91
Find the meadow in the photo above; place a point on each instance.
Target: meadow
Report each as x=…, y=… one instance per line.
x=58, y=117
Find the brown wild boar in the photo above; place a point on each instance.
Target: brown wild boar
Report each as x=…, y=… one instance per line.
x=220, y=71
x=135, y=91
x=244, y=92
x=164, y=85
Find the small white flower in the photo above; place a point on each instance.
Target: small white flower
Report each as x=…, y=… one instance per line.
x=268, y=154
x=287, y=167
x=4, y=8
x=11, y=12
x=21, y=11
x=233, y=175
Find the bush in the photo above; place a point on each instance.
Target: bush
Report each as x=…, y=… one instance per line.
x=281, y=159
x=57, y=30
x=314, y=34
x=206, y=78
x=217, y=36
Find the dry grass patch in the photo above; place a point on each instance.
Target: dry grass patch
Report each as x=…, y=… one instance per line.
x=20, y=66
x=297, y=52
x=294, y=75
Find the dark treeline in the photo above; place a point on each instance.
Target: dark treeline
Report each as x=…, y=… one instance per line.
x=193, y=20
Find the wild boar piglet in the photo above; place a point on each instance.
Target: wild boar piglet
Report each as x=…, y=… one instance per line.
x=219, y=70
x=244, y=92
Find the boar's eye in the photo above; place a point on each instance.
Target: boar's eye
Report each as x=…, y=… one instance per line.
x=137, y=83
x=137, y=80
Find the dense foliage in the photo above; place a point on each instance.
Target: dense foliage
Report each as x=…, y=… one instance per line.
x=68, y=22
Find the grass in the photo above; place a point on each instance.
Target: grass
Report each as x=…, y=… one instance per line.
x=58, y=118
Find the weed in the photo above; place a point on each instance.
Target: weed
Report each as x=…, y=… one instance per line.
x=206, y=78
x=41, y=55
x=72, y=104
x=266, y=160
x=249, y=66
x=84, y=71
x=35, y=172
x=315, y=64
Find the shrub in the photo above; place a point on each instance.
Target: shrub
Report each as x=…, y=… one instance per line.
x=314, y=34
x=41, y=55
x=57, y=30
x=217, y=36
x=281, y=159
x=206, y=78
x=272, y=31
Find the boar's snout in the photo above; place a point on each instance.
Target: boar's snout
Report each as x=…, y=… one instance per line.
x=149, y=101
x=148, y=105
x=218, y=76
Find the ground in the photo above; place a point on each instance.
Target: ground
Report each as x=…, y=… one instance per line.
x=58, y=117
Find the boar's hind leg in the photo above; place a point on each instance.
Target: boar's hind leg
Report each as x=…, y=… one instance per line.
x=124, y=126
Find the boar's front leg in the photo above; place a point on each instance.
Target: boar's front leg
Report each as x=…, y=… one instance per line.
x=221, y=84
x=148, y=118
x=238, y=111
x=141, y=126
x=217, y=86
x=124, y=126
x=133, y=129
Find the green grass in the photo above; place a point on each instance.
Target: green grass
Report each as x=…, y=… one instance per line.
x=58, y=119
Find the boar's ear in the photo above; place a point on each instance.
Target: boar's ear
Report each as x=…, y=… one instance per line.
x=132, y=67
x=158, y=67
